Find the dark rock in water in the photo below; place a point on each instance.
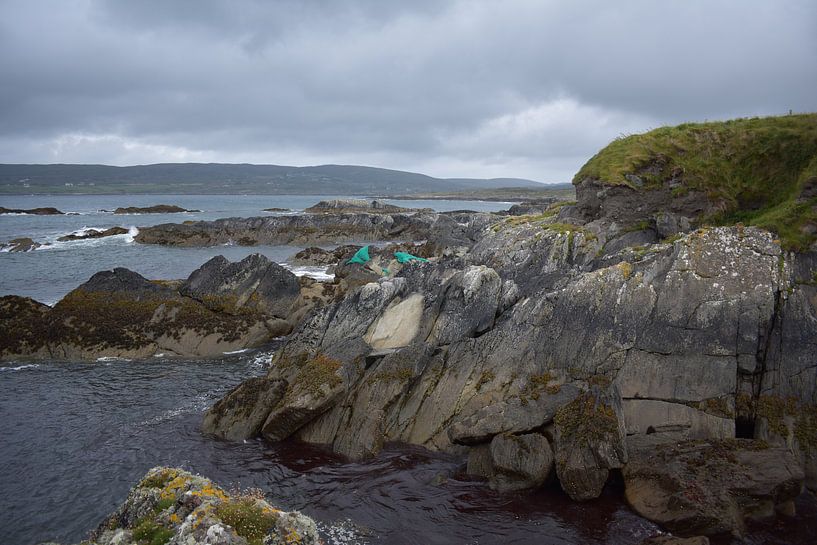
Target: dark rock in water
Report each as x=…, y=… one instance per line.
x=47, y=211
x=253, y=284
x=672, y=540
x=156, y=209
x=711, y=487
x=170, y=505
x=277, y=209
x=95, y=233
x=20, y=245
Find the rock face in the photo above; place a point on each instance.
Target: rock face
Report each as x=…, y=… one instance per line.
x=156, y=209
x=711, y=487
x=220, y=308
x=173, y=506
x=537, y=330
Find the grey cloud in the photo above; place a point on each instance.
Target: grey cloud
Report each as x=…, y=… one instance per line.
x=464, y=87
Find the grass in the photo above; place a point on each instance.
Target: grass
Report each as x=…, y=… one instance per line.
x=753, y=168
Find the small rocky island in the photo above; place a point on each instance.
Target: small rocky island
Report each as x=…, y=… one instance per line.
x=661, y=327
x=47, y=211
x=155, y=209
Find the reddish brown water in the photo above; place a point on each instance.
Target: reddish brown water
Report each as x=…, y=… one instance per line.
x=76, y=437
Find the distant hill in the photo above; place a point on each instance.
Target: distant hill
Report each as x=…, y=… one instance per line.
x=218, y=178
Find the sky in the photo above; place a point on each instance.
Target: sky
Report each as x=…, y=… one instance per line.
x=469, y=88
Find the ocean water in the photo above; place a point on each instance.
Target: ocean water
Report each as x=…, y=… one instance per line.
x=48, y=273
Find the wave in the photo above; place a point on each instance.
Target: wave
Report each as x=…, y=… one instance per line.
x=317, y=272
x=52, y=242
x=21, y=367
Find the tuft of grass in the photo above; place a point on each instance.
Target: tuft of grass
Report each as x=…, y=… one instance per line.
x=249, y=519
x=150, y=532
x=754, y=169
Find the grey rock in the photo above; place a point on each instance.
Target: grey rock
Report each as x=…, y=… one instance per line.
x=254, y=283
x=520, y=461
x=511, y=416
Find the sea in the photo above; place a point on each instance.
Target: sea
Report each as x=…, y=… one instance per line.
x=75, y=436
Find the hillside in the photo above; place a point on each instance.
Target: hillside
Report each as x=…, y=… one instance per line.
x=758, y=171
x=218, y=178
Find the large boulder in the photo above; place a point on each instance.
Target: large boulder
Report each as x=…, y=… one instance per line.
x=513, y=462
x=590, y=440
x=171, y=505
x=711, y=487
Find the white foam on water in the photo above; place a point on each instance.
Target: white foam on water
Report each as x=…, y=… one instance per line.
x=343, y=532
x=316, y=272
x=131, y=236
x=111, y=359
x=237, y=351
x=21, y=367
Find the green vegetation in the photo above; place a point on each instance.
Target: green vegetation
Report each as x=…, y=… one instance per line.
x=753, y=169
x=250, y=519
x=587, y=419
x=150, y=532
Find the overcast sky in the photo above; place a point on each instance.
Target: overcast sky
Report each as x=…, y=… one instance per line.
x=516, y=88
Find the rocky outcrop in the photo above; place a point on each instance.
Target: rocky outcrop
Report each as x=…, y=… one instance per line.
x=355, y=206
x=94, y=233
x=20, y=245
x=449, y=232
x=155, y=209
x=711, y=487
x=221, y=307
x=537, y=330
x=47, y=211
x=255, y=285
x=170, y=505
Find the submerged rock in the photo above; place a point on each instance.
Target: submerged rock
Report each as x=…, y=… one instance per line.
x=170, y=505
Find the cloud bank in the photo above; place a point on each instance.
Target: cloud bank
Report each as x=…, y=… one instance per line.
x=524, y=88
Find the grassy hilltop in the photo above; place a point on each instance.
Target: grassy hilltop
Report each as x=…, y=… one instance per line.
x=760, y=171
